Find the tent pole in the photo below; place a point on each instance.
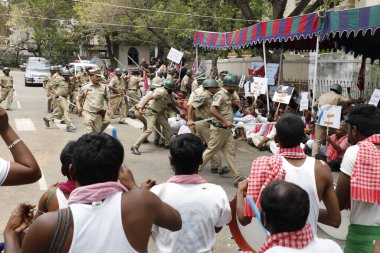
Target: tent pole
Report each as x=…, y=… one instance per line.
x=265, y=69
x=315, y=72
x=196, y=57
x=280, y=69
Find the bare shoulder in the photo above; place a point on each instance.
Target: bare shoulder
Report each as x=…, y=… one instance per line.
x=140, y=196
x=323, y=172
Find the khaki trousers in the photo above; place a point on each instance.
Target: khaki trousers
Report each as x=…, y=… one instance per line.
x=118, y=103
x=151, y=119
x=7, y=93
x=61, y=111
x=320, y=138
x=94, y=122
x=203, y=131
x=134, y=98
x=221, y=139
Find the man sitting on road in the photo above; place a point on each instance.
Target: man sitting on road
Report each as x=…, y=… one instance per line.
x=204, y=207
x=285, y=208
x=102, y=215
x=292, y=165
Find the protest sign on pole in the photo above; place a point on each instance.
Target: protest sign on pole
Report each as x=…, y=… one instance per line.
x=375, y=98
x=329, y=116
x=283, y=94
x=304, y=102
x=272, y=69
x=175, y=55
x=242, y=80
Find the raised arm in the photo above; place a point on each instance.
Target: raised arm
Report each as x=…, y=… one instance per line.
x=24, y=169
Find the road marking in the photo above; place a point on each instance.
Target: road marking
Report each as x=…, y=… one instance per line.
x=59, y=125
x=18, y=105
x=24, y=125
x=42, y=182
x=135, y=123
x=110, y=127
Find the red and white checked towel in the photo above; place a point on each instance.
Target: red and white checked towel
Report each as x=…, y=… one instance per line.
x=265, y=170
x=296, y=240
x=365, y=179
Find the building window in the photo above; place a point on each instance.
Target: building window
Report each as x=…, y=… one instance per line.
x=134, y=54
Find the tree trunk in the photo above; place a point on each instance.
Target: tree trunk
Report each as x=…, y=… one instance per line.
x=214, y=65
x=278, y=7
x=243, y=5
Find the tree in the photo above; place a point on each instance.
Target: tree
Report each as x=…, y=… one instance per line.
x=41, y=27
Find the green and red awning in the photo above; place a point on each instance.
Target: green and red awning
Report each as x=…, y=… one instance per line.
x=353, y=30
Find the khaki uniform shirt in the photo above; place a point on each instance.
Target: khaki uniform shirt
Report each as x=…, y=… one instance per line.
x=223, y=100
x=161, y=99
x=6, y=81
x=169, y=77
x=195, y=93
x=84, y=78
x=143, y=99
x=61, y=87
x=134, y=83
x=94, y=96
x=194, y=85
x=185, y=84
x=157, y=80
x=332, y=98
x=202, y=104
x=117, y=85
x=220, y=83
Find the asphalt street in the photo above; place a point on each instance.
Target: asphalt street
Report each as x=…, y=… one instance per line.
x=29, y=106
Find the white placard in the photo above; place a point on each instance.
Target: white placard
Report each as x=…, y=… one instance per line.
x=263, y=84
x=283, y=94
x=375, y=98
x=304, y=102
x=329, y=116
x=242, y=80
x=175, y=55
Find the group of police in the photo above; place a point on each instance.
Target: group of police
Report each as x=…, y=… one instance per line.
x=209, y=107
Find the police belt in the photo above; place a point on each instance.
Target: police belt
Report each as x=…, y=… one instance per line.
x=133, y=89
x=219, y=125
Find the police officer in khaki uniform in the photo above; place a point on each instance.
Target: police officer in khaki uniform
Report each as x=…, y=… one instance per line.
x=118, y=91
x=159, y=78
x=47, y=82
x=60, y=90
x=222, y=74
x=90, y=102
x=221, y=134
x=6, y=83
x=199, y=109
x=171, y=75
x=155, y=113
x=186, y=83
x=134, y=88
x=333, y=97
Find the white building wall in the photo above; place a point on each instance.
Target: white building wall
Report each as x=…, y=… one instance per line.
x=144, y=51
x=364, y=3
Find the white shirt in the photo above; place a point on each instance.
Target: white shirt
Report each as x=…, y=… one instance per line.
x=272, y=133
x=304, y=177
x=362, y=213
x=317, y=246
x=4, y=170
x=202, y=207
x=249, y=122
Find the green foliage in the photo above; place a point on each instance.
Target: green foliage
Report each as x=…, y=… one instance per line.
x=49, y=35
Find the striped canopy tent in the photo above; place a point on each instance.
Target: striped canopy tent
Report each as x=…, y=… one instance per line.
x=354, y=30
x=297, y=33
x=348, y=30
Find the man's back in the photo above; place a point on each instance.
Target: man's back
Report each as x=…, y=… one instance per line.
x=202, y=207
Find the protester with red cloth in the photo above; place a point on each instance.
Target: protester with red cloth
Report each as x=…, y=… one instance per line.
x=57, y=195
x=285, y=209
x=337, y=145
x=359, y=180
x=204, y=207
x=292, y=165
x=103, y=216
